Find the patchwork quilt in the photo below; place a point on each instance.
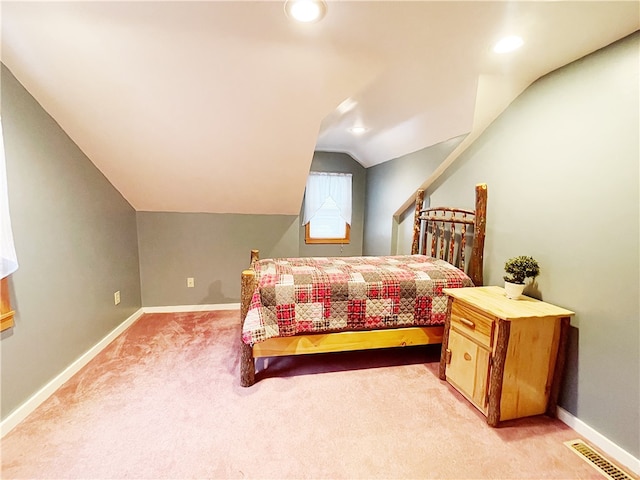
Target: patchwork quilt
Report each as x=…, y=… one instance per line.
x=321, y=295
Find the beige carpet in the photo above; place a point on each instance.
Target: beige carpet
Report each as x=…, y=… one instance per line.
x=164, y=401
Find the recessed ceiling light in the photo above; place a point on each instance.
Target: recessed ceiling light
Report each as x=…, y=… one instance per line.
x=306, y=11
x=508, y=44
x=358, y=130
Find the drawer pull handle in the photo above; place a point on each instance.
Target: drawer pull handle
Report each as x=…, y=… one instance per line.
x=468, y=323
x=467, y=357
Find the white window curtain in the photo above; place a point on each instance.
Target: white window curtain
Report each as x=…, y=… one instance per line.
x=8, y=258
x=320, y=187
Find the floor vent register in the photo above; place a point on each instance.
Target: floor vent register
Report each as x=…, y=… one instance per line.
x=597, y=461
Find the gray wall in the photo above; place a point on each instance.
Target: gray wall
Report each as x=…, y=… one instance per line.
x=388, y=186
x=75, y=238
x=561, y=164
x=211, y=248
x=342, y=163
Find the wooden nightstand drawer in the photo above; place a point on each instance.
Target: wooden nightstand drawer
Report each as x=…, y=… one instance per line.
x=473, y=323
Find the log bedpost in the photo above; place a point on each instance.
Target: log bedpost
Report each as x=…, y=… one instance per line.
x=247, y=366
x=247, y=362
x=417, y=222
x=445, y=354
x=477, y=252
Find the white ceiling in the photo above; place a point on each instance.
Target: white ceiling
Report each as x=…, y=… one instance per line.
x=218, y=106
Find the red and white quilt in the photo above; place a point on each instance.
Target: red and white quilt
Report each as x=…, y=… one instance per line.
x=320, y=295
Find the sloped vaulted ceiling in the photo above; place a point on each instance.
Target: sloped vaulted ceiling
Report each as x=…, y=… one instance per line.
x=218, y=106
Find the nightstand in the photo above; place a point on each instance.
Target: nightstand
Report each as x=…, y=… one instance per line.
x=505, y=356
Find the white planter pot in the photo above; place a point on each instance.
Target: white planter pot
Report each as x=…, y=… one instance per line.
x=513, y=290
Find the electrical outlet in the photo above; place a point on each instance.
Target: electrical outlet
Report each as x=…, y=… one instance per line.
x=116, y=297
x=190, y=282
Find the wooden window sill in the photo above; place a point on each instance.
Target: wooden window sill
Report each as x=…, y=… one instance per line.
x=6, y=320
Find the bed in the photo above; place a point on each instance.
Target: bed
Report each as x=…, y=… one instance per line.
x=294, y=306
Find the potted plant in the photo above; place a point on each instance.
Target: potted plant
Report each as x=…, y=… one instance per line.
x=518, y=269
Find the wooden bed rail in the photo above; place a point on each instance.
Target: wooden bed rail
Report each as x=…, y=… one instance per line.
x=435, y=233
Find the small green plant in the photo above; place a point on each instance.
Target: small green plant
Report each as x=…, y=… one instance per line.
x=519, y=268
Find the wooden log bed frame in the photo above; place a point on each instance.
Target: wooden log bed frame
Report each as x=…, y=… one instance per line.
x=434, y=233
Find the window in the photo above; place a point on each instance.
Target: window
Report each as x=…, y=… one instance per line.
x=327, y=208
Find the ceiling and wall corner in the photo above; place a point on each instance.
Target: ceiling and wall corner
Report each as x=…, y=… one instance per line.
x=197, y=106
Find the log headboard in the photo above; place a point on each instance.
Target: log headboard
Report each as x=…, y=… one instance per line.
x=442, y=233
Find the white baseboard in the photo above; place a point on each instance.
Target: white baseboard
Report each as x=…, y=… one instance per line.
x=617, y=453
x=192, y=308
x=15, y=417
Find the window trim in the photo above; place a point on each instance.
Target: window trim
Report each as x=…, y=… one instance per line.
x=314, y=241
